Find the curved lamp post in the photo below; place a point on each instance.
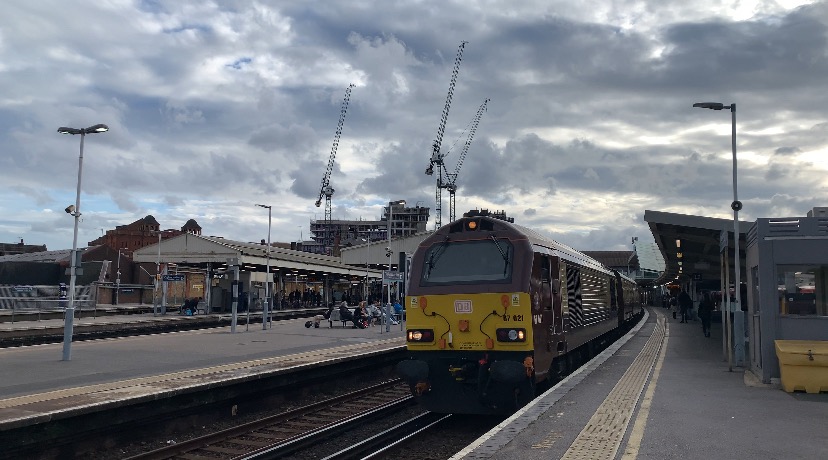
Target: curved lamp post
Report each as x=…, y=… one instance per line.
x=736, y=205
x=69, y=315
x=265, y=315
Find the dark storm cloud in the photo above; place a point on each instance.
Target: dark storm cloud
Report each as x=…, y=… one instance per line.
x=786, y=151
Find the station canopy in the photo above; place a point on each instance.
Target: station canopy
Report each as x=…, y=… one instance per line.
x=691, y=246
x=197, y=250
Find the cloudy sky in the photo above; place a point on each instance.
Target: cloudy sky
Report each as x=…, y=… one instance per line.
x=216, y=106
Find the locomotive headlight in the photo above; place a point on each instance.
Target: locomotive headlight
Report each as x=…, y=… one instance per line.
x=511, y=335
x=420, y=335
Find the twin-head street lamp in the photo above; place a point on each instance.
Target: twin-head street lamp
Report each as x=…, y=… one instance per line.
x=75, y=260
x=265, y=315
x=736, y=205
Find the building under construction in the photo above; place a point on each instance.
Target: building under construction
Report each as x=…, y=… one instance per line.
x=405, y=221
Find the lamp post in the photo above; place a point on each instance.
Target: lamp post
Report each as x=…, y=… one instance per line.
x=736, y=205
x=118, y=278
x=387, y=316
x=367, y=258
x=157, y=278
x=265, y=316
x=157, y=281
x=75, y=212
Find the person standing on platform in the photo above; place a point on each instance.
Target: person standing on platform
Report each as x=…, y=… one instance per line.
x=705, y=312
x=685, y=304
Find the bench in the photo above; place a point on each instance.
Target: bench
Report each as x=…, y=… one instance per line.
x=336, y=317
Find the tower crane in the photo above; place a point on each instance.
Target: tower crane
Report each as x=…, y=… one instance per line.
x=436, y=155
x=327, y=191
x=451, y=181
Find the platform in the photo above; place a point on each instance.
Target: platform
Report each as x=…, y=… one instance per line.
x=38, y=386
x=665, y=392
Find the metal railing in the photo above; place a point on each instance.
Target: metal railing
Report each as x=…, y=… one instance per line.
x=28, y=306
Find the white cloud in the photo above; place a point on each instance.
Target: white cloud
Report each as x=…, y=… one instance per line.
x=214, y=106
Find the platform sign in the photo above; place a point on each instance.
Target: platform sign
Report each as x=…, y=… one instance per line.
x=22, y=289
x=172, y=277
x=391, y=276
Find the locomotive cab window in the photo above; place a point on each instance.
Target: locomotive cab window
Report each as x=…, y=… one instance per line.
x=468, y=262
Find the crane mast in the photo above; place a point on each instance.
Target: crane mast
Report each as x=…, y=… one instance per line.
x=327, y=191
x=436, y=155
x=451, y=182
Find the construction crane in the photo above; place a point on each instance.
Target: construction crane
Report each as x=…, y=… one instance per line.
x=327, y=191
x=436, y=155
x=451, y=181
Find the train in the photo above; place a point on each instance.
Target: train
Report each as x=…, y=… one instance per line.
x=496, y=312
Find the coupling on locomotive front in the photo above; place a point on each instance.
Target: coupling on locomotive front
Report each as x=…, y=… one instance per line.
x=493, y=309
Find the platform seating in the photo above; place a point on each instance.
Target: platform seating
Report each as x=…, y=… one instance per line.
x=335, y=317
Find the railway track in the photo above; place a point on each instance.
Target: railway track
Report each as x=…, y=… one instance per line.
x=280, y=435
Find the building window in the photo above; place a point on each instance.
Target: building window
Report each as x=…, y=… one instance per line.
x=802, y=289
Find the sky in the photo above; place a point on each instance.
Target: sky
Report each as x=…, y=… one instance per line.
x=216, y=106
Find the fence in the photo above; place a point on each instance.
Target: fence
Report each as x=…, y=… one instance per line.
x=28, y=306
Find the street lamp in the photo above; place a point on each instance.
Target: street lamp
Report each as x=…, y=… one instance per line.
x=75, y=212
x=265, y=316
x=118, y=277
x=367, y=257
x=157, y=280
x=736, y=205
x=387, y=317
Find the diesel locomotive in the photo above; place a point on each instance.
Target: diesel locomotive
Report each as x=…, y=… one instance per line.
x=496, y=311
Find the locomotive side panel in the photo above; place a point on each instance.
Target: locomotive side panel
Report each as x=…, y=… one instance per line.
x=591, y=313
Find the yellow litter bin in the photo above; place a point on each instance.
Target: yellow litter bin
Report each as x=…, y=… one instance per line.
x=803, y=365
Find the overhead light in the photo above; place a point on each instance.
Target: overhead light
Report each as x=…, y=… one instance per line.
x=678, y=243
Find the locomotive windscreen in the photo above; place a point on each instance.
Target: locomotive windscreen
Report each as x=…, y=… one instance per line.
x=468, y=262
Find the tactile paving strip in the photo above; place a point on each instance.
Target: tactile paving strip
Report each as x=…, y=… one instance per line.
x=488, y=445
x=602, y=436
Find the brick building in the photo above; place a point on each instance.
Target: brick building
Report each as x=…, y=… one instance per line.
x=141, y=233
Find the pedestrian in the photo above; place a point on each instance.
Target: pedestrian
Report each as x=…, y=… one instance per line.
x=373, y=312
x=344, y=312
x=685, y=304
x=360, y=316
x=705, y=311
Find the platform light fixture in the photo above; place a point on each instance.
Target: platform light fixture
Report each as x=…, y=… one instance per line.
x=736, y=205
x=265, y=316
x=74, y=259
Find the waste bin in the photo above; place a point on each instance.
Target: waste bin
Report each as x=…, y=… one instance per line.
x=803, y=365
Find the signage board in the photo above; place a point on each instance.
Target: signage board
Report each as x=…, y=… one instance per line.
x=172, y=277
x=391, y=276
x=22, y=289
